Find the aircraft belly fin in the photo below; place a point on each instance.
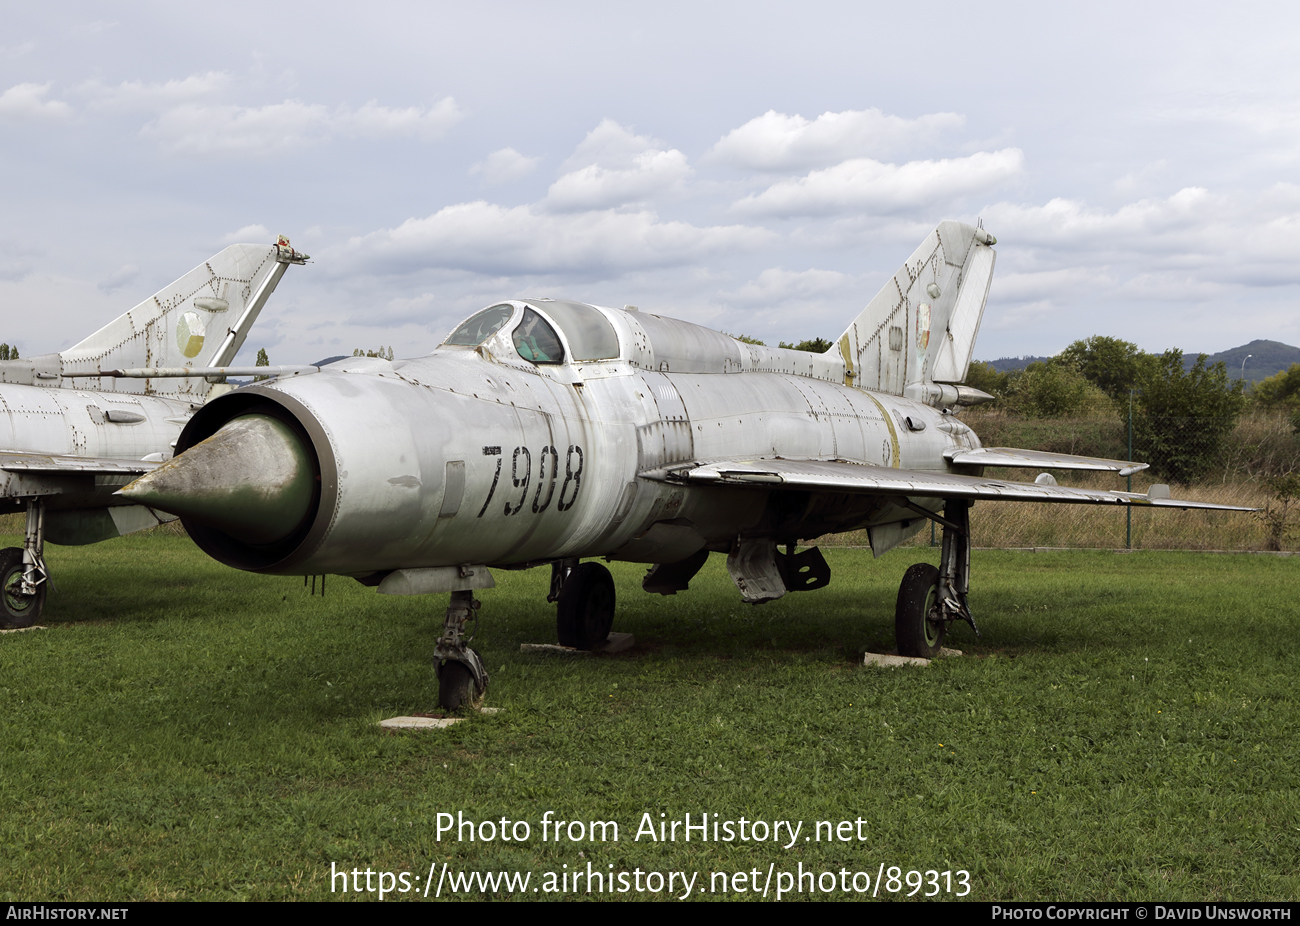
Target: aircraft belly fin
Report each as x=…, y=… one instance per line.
x=859, y=478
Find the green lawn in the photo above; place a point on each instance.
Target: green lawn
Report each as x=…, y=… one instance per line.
x=1126, y=729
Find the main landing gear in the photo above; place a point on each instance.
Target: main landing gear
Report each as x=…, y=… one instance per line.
x=23, y=573
x=586, y=607
x=930, y=599
x=585, y=594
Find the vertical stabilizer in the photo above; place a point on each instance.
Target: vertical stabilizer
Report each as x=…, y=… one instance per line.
x=921, y=327
x=199, y=320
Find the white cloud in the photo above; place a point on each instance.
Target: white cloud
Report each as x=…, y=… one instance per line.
x=201, y=129
x=487, y=238
x=17, y=261
x=1034, y=285
x=504, y=166
x=27, y=101
x=612, y=167
x=375, y=121
x=1145, y=224
x=120, y=278
x=776, y=285
x=137, y=95
x=778, y=142
x=863, y=184
x=249, y=233
x=611, y=145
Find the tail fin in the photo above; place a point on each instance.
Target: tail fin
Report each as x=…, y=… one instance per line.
x=201, y=320
x=921, y=327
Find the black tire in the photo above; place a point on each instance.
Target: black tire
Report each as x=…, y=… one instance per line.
x=18, y=610
x=586, y=610
x=916, y=627
x=456, y=686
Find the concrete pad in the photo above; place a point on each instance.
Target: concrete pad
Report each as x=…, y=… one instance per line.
x=615, y=643
x=893, y=660
x=429, y=723
x=419, y=723
x=40, y=627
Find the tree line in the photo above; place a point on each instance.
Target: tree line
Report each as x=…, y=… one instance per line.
x=1179, y=417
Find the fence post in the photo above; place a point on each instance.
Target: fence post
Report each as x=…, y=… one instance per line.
x=1128, y=509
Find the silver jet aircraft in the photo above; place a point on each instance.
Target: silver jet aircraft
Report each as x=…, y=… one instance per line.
x=548, y=432
x=70, y=438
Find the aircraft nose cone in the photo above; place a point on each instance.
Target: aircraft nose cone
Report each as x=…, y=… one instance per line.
x=252, y=480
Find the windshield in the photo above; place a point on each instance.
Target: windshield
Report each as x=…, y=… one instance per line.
x=482, y=326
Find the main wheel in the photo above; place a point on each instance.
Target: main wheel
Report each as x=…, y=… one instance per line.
x=918, y=626
x=19, y=610
x=456, y=686
x=586, y=609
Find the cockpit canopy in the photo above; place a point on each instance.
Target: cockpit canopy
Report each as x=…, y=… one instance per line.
x=533, y=330
x=481, y=326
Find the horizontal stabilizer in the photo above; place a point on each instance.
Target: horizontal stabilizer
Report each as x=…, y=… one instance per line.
x=1040, y=459
x=858, y=478
x=201, y=318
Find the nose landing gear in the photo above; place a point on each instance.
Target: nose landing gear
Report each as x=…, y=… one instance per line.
x=462, y=680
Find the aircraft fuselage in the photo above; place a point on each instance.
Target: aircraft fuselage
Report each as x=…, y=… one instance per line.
x=458, y=458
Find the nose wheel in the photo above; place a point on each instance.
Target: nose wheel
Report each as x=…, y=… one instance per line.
x=462, y=680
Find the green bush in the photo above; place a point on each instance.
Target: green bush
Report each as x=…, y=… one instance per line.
x=1181, y=419
x=1051, y=390
x=1112, y=365
x=1280, y=389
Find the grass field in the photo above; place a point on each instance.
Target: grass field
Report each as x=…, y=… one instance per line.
x=1125, y=730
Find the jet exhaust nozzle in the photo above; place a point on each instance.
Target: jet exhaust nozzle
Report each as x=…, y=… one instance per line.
x=253, y=480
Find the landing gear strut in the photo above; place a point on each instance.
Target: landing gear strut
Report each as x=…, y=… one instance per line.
x=462, y=680
x=930, y=599
x=23, y=573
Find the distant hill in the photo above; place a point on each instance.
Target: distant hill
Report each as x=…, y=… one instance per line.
x=1266, y=358
x=1007, y=364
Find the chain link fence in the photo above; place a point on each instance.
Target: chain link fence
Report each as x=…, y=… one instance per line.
x=1224, y=461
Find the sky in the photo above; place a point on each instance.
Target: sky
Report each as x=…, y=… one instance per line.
x=761, y=168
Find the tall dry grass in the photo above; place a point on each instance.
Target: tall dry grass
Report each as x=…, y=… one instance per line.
x=1009, y=525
